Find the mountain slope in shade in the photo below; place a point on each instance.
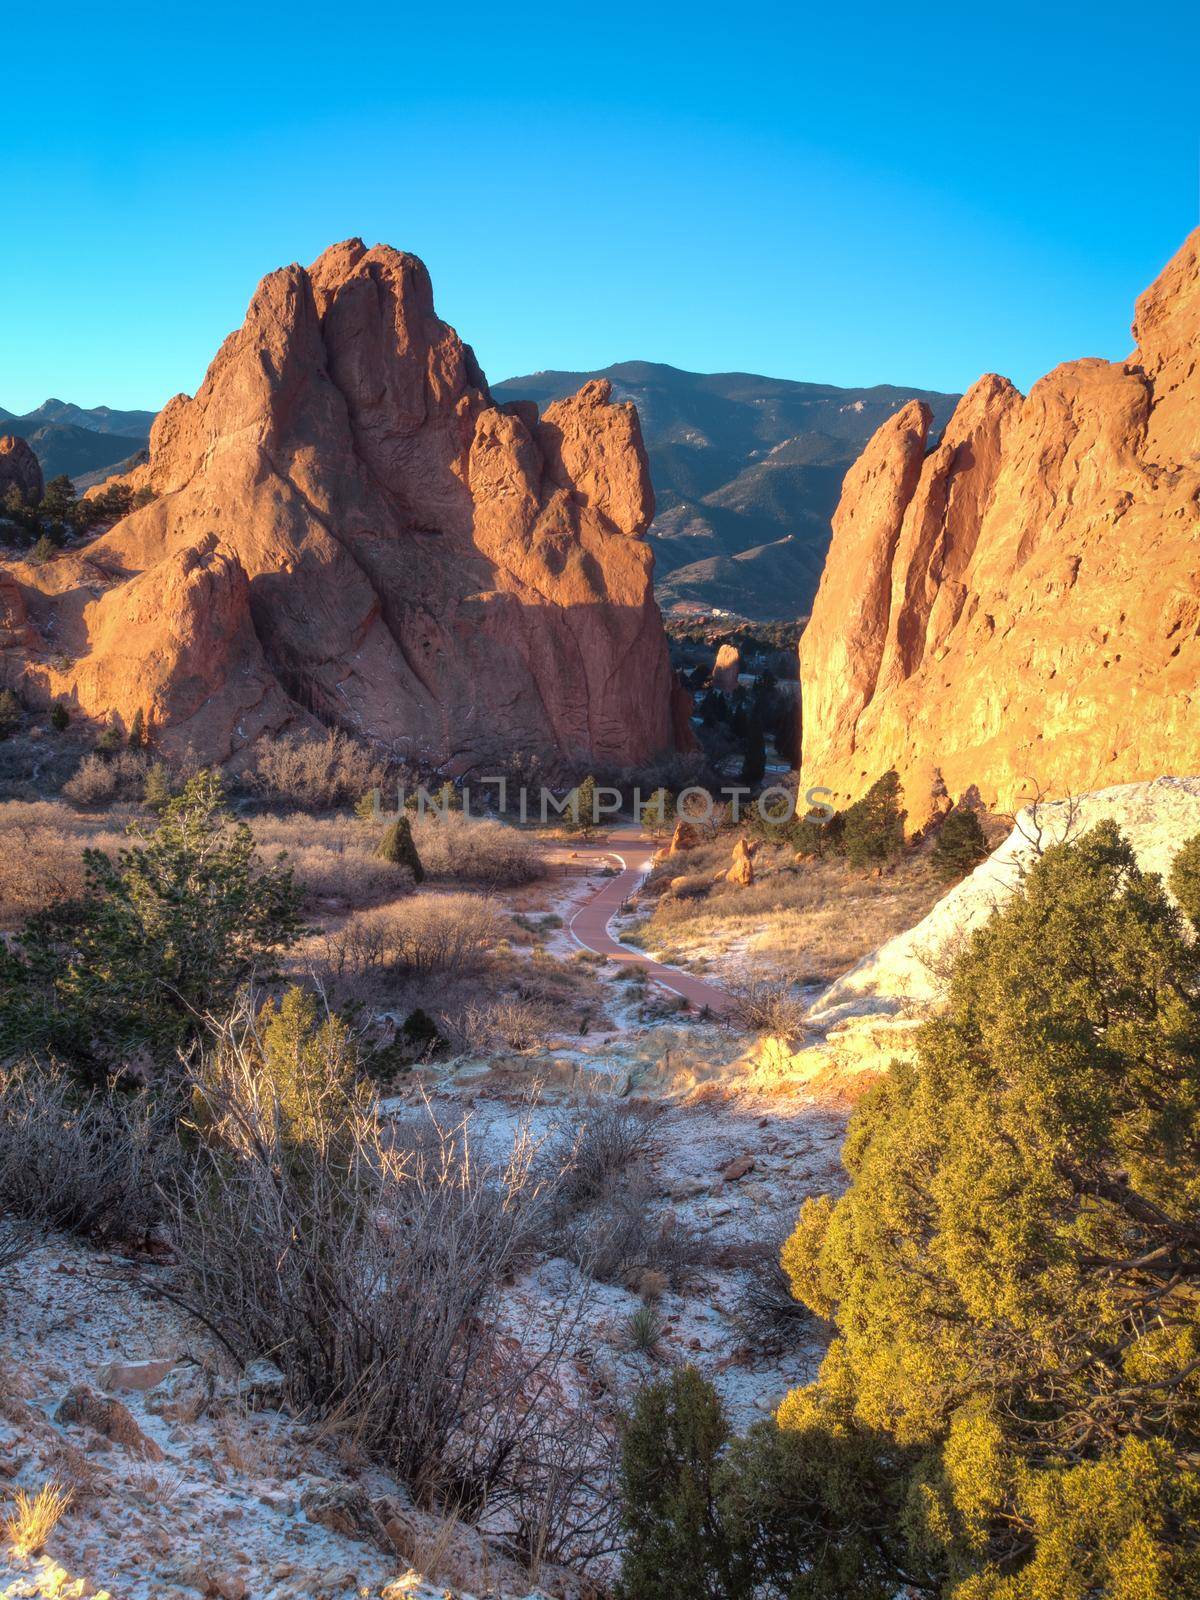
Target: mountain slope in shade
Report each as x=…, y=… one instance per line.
x=1019, y=607
x=63, y=447
x=739, y=462
x=79, y=441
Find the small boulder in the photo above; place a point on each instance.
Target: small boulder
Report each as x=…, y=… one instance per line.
x=346, y=1509
x=686, y=837
x=184, y=1395
x=741, y=870
x=726, y=668
x=687, y=888
x=134, y=1377
x=738, y=1168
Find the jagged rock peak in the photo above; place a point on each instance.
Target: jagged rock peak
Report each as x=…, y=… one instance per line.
x=394, y=552
x=1020, y=605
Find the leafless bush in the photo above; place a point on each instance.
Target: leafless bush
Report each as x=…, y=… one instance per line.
x=769, y=1005
x=368, y=1269
x=612, y=1138
x=316, y=773
x=617, y=1239
x=91, y=1163
x=564, y=1502
x=102, y=780
x=767, y=1312
x=425, y=933
x=482, y=1026
x=476, y=850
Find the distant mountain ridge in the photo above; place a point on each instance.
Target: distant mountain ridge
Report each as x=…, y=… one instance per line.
x=747, y=471
x=78, y=440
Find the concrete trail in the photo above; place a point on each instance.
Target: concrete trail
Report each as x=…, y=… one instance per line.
x=589, y=926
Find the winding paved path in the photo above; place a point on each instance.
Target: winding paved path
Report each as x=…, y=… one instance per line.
x=589, y=926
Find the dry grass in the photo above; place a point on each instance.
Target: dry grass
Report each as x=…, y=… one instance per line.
x=809, y=921
x=333, y=858
x=476, y=850
x=331, y=769
x=34, y=1518
x=41, y=852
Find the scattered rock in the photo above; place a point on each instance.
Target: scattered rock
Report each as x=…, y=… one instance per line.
x=687, y=836
x=741, y=870
x=134, y=1376
x=738, y=1169
x=109, y=1418
x=184, y=1395
x=261, y=1385
x=347, y=1509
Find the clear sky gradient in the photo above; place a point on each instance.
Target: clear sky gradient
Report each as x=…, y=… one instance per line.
x=852, y=194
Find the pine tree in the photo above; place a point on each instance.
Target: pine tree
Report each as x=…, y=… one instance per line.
x=367, y=806
x=137, y=730
x=873, y=827
x=156, y=790
x=399, y=847
x=960, y=845
x=1011, y=1270
x=162, y=938
x=754, y=752
x=11, y=713
x=60, y=717
x=580, y=816
x=677, y=1548
x=657, y=811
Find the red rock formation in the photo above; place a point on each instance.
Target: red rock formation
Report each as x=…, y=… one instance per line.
x=1020, y=606
x=19, y=467
x=726, y=668
x=348, y=529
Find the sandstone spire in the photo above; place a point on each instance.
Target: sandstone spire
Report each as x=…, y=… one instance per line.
x=349, y=530
x=1020, y=607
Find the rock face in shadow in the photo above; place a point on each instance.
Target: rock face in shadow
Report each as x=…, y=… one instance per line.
x=19, y=469
x=1019, y=606
x=348, y=530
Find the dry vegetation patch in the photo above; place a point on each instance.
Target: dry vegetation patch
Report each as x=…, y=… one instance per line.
x=809, y=920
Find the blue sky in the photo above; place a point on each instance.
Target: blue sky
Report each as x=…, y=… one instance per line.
x=851, y=194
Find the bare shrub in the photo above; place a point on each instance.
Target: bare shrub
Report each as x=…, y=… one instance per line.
x=564, y=1499
x=613, y=1137
x=483, y=1026
x=41, y=852
x=88, y=1162
x=767, y=1311
x=101, y=780
x=332, y=858
x=368, y=1269
x=427, y=933
x=476, y=850
x=769, y=1005
x=617, y=1239
x=316, y=773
